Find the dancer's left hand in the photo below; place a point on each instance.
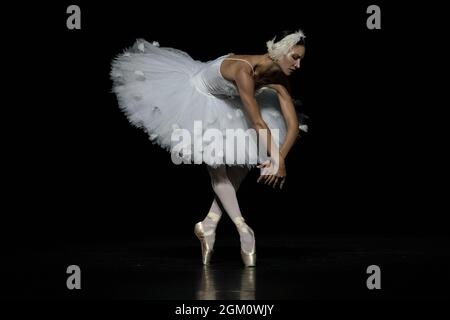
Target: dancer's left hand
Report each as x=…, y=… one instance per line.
x=270, y=176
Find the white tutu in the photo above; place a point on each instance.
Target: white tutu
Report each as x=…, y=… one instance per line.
x=168, y=94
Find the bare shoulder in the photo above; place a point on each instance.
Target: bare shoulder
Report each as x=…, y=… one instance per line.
x=236, y=64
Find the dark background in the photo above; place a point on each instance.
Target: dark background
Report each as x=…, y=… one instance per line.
x=75, y=170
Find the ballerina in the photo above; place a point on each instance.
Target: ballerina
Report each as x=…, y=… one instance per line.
x=164, y=90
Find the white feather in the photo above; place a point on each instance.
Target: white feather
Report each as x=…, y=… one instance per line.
x=278, y=49
x=139, y=75
x=156, y=109
x=303, y=127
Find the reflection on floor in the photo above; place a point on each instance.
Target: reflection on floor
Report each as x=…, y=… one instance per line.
x=287, y=268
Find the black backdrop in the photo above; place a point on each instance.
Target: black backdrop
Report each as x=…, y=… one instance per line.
x=76, y=171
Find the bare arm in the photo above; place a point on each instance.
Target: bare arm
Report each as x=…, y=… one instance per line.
x=290, y=117
x=246, y=86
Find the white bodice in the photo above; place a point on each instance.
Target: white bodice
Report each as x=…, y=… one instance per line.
x=210, y=81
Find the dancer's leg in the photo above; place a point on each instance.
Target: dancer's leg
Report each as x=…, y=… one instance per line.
x=226, y=193
x=215, y=207
x=236, y=175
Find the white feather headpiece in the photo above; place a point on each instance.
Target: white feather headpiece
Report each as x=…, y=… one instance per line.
x=278, y=49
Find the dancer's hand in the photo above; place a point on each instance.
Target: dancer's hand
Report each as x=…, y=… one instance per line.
x=272, y=176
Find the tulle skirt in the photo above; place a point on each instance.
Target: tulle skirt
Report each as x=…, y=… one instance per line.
x=154, y=89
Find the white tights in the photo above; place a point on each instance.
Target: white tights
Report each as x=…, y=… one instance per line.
x=225, y=182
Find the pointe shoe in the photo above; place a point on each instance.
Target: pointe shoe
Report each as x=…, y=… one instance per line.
x=248, y=258
x=206, y=249
x=201, y=234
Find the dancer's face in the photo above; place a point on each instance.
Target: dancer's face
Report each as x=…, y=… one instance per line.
x=291, y=61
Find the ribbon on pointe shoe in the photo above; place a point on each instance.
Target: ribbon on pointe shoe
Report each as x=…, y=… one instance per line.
x=240, y=224
x=214, y=216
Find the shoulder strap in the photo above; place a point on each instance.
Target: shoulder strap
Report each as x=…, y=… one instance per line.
x=236, y=59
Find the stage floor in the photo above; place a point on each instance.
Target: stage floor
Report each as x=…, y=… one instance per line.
x=288, y=268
